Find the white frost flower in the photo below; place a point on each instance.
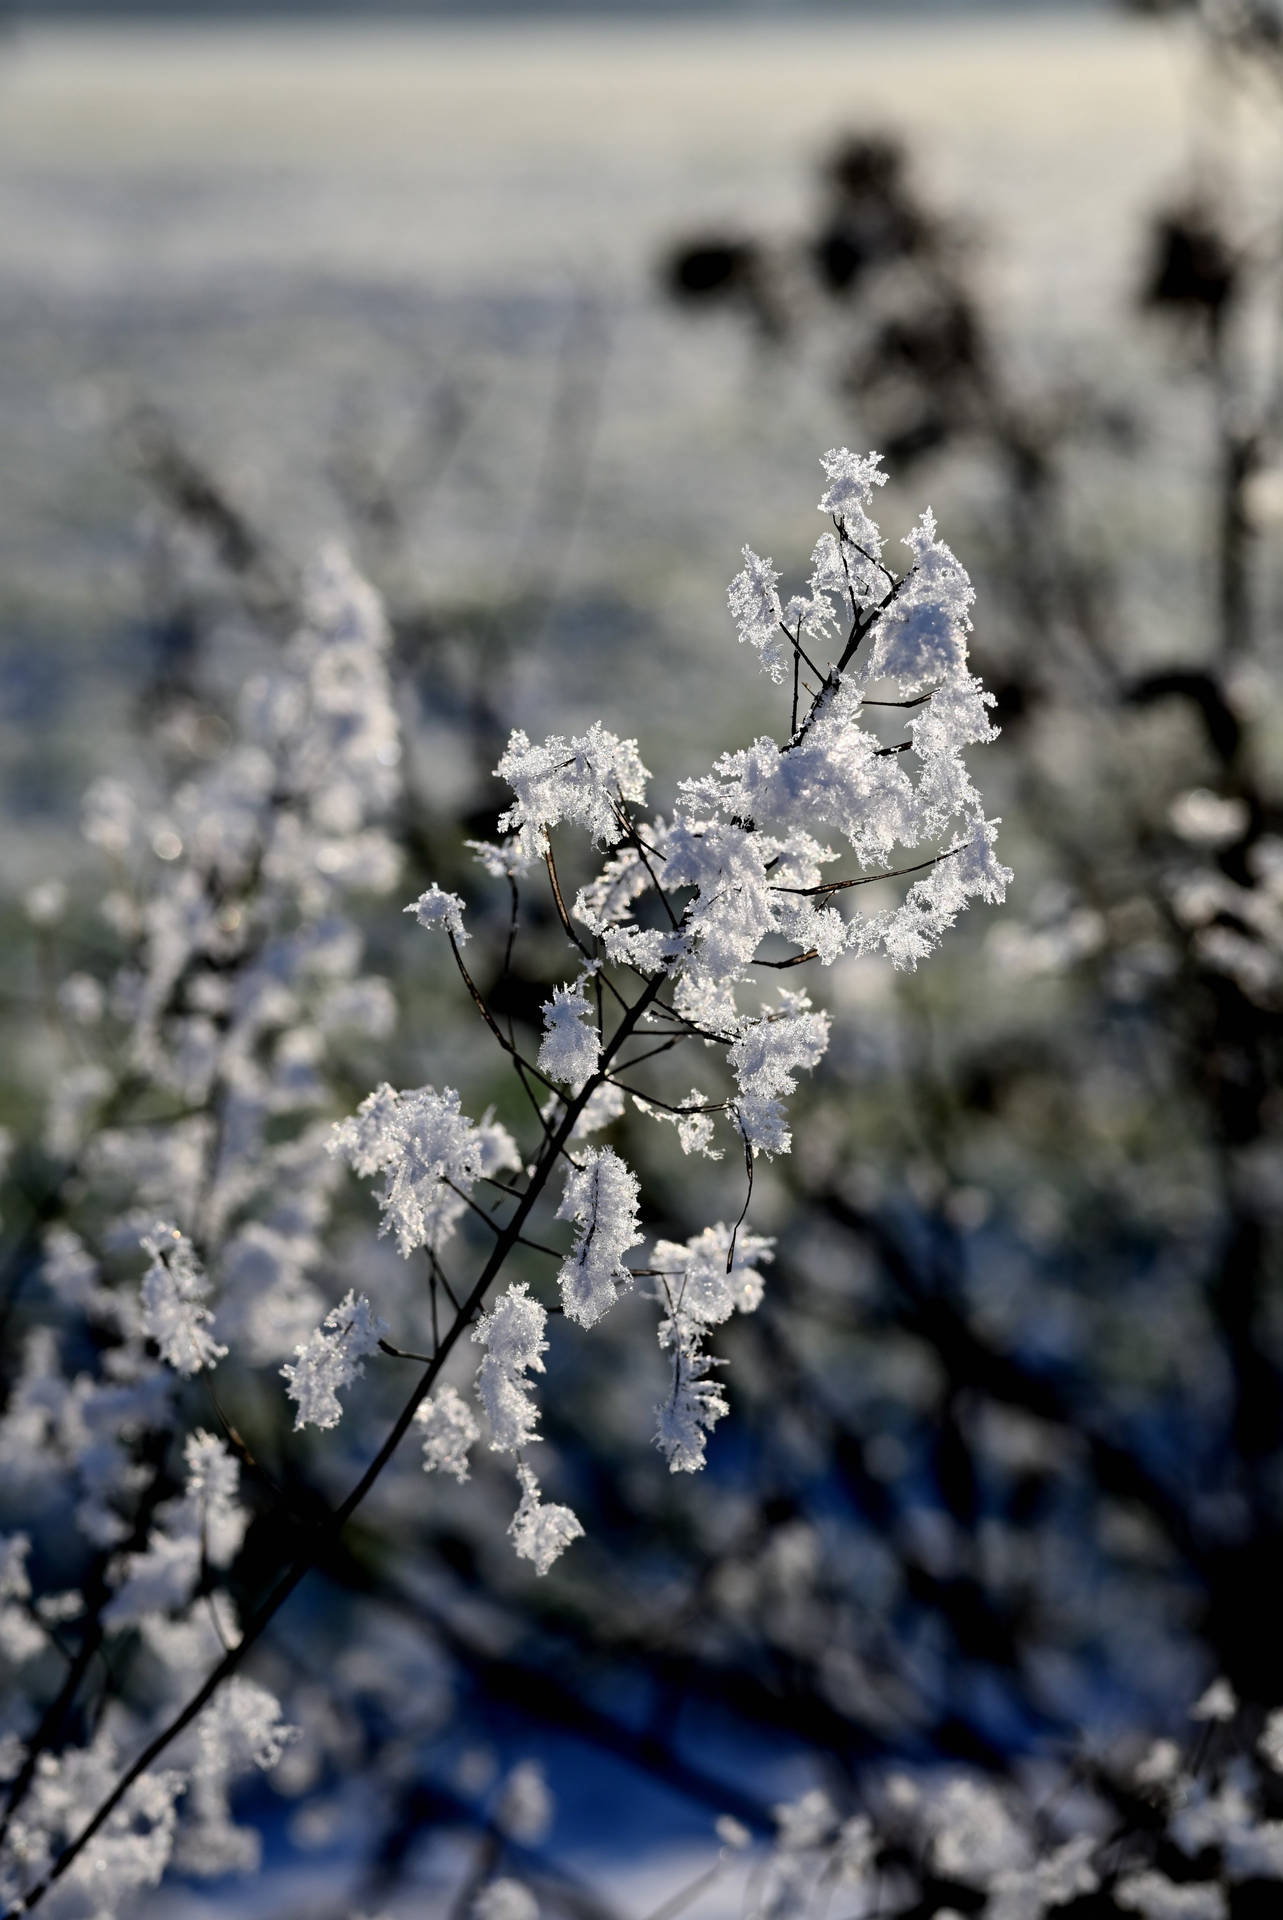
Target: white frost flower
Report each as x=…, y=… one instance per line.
x=1218, y=1702
x=759, y=617
x=571, y=1046
x=331, y=1359
x=1206, y=819
x=525, y=1806
x=1027, y=1893
x=513, y=1335
x=732, y=1832
x=435, y=909
x=766, y=1060
x=804, y=1822
x=975, y=1837
x=582, y=780
x=540, y=1533
x=426, y=1147
x=204, y=1527
x=449, y=1429
x=46, y=902
x=1155, y=1897
x=601, y=1197
x=173, y=1289
x=505, y=1900
x=700, y=1293
x=1270, y=1744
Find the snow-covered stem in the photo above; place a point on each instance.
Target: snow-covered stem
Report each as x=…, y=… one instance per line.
x=326, y=1535
x=737, y=863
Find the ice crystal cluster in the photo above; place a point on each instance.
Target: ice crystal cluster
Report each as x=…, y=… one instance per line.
x=189, y=1201
x=196, y=1162
x=948, y=1843
x=691, y=914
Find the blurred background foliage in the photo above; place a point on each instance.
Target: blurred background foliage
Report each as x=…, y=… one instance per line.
x=542, y=328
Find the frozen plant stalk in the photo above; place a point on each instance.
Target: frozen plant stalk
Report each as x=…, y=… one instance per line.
x=241, y=970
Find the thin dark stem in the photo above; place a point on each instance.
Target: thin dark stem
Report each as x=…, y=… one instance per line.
x=649, y=1100
x=626, y=1066
x=635, y=840
x=494, y=1226
x=748, y=1168
x=799, y=654
x=865, y=880
x=402, y=1353
x=489, y=1018
x=512, y=926
x=560, y=904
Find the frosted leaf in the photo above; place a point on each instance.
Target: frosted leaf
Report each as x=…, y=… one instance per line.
x=700, y=1294
x=1028, y=1893
x=932, y=904
x=697, y=1280
x=922, y=636
x=131, y=1849
x=694, y=1123
x=525, y=1806
x=513, y=1335
x=449, y=1429
x=974, y=1835
x=242, y=1727
x=854, y=1850
x=503, y=862
x=606, y=900
x=755, y=606
x=1206, y=819
x=692, y=1409
x=332, y=1359
x=173, y=1288
x=804, y=1822
x=160, y=1579
x=420, y=1140
x=1270, y=1744
x=204, y=1527
x=1155, y=1897
x=571, y=1046
x=1219, y=1702
x=732, y=1833
x=70, y=1271
x=540, y=1533
x=210, y=1505
x=766, y=1060
x=852, y=478
x=109, y=816
x=45, y=903
x=734, y=907
x=1160, y=1765
x=435, y=909
x=505, y=1900
x=21, y=1637
x=580, y=780
x=601, y=1197
x=80, y=998
x=847, y=498
x=14, y=1548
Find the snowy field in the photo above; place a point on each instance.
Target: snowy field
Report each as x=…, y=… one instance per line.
x=436, y=250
